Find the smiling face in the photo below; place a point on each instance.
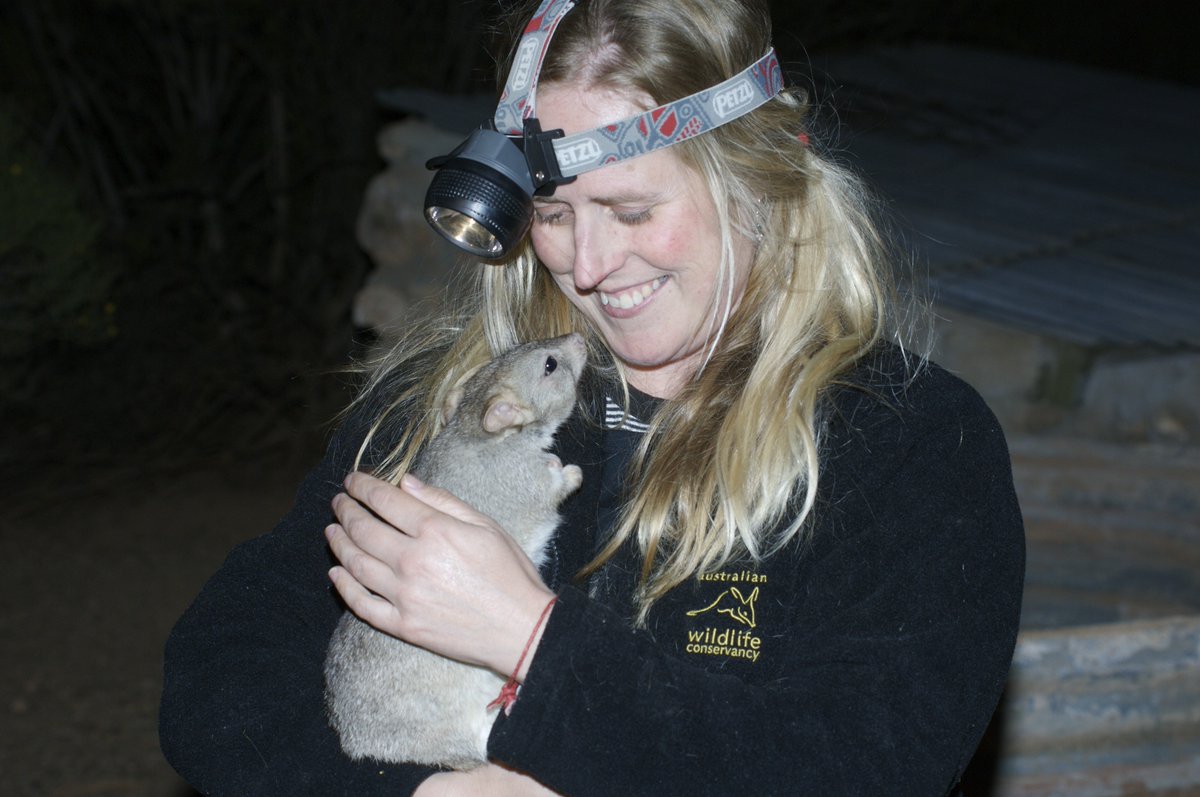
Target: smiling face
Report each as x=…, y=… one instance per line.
x=636, y=246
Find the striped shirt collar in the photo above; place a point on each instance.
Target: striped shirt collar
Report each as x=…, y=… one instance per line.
x=641, y=408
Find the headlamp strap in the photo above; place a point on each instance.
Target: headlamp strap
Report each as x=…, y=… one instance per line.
x=671, y=123
x=518, y=98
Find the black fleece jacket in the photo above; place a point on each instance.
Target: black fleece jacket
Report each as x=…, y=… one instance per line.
x=867, y=660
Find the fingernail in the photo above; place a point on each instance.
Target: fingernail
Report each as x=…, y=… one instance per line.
x=411, y=482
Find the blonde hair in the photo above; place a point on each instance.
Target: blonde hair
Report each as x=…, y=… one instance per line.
x=730, y=465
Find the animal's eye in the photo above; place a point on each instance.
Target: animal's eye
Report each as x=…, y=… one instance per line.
x=551, y=365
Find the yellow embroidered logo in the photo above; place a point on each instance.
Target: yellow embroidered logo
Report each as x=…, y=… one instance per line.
x=738, y=603
x=734, y=604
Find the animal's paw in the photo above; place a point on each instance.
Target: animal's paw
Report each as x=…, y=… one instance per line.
x=573, y=477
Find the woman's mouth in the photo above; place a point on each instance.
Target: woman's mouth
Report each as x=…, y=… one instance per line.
x=632, y=297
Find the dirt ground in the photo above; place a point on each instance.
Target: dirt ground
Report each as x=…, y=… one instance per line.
x=100, y=566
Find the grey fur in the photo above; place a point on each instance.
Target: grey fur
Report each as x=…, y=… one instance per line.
x=391, y=701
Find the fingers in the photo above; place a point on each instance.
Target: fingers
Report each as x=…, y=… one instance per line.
x=362, y=532
x=412, y=506
x=371, y=608
x=357, y=570
x=441, y=500
x=384, y=499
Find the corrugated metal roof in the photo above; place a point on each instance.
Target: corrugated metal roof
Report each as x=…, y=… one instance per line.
x=1047, y=196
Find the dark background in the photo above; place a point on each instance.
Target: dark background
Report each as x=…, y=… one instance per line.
x=179, y=181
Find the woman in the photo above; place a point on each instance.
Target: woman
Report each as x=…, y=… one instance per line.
x=795, y=565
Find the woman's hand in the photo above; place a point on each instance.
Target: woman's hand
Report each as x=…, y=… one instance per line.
x=421, y=565
x=490, y=780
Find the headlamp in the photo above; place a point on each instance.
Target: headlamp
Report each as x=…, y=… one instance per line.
x=482, y=195
x=481, y=198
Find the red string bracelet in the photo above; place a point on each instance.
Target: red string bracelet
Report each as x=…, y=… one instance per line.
x=508, y=693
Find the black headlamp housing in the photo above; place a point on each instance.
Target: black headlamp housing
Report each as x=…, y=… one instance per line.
x=481, y=198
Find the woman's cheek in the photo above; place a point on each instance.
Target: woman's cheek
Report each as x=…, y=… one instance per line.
x=556, y=256
x=550, y=251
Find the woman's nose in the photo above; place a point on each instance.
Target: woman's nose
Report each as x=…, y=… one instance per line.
x=598, y=253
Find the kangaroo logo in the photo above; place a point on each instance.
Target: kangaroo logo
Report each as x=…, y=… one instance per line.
x=734, y=604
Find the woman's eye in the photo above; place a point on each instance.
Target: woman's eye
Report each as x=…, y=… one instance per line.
x=551, y=365
x=548, y=215
x=633, y=216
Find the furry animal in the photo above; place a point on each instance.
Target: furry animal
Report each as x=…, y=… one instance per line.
x=392, y=701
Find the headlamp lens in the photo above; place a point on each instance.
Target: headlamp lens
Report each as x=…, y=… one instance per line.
x=465, y=231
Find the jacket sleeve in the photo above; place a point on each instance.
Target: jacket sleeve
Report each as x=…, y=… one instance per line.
x=242, y=708
x=900, y=628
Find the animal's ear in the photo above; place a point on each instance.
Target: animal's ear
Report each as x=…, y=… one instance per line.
x=450, y=405
x=454, y=397
x=504, y=411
